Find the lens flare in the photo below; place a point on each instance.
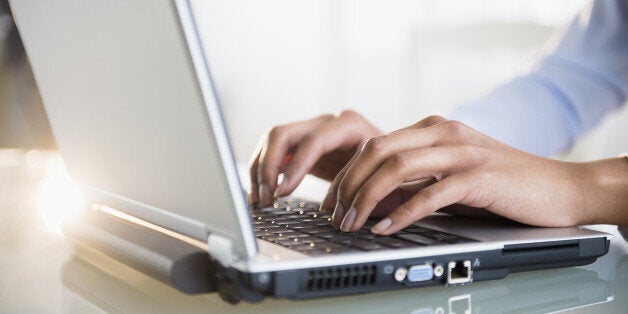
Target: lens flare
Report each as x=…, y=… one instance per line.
x=58, y=197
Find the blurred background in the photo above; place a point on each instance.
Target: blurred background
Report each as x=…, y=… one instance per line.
x=395, y=61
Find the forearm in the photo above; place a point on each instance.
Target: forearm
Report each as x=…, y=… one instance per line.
x=567, y=93
x=605, y=191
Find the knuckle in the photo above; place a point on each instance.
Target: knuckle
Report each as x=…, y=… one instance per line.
x=406, y=212
x=349, y=114
x=277, y=133
x=265, y=171
x=399, y=161
x=375, y=145
x=430, y=196
x=367, y=196
x=471, y=153
x=327, y=116
x=341, y=193
x=432, y=120
x=455, y=128
x=311, y=141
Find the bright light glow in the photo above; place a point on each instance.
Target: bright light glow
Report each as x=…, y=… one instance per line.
x=58, y=197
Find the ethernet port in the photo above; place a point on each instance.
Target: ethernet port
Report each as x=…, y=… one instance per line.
x=459, y=272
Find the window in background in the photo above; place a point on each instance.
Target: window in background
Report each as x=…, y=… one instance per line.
x=396, y=61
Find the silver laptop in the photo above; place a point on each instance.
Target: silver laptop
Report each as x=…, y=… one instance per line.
x=128, y=93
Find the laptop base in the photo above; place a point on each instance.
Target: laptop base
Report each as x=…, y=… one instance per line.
x=190, y=269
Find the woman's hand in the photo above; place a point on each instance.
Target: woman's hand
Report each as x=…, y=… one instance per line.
x=445, y=163
x=321, y=146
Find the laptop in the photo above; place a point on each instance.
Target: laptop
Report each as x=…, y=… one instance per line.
x=128, y=92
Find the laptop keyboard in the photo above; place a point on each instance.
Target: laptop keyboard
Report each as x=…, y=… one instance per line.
x=299, y=225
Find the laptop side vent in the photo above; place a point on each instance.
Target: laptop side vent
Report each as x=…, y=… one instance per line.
x=341, y=277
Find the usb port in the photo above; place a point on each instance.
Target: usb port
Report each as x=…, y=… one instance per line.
x=459, y=272
x=420, y=273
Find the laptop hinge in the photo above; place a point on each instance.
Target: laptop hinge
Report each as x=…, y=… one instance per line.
x=220, y=249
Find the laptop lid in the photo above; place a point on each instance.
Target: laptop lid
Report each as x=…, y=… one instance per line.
x=132, y=107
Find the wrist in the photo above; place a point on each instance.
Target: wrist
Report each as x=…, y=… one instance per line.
x=605, y=191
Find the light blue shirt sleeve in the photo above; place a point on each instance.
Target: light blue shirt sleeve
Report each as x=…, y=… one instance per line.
x=569, y=92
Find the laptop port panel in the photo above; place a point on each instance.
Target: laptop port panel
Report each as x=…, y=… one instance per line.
x=453, y=269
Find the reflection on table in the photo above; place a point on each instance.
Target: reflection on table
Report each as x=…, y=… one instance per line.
x=95, y=282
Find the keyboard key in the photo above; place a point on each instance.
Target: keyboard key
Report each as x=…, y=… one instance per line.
x=337, y=250
x=313, y=230
x=368, y=236
x=343, y=239
x=260, y=233
x=365, y=245
x=328, y=245
x=363, y=231
x=416, y=229
x=392, y=242
x=300, y=226
x=275, y=238
x=271, y=225
x=296, y=217
x=281, y=231
x=329, y=235
x=283, y=212
x=458, y=240
x=321, y=223
x=417, y=238
x=294, y=234
x=287, y=222
x=304, y=247
x=289, y=243
x=265, y=209
x=311, y=240
x=441, y=237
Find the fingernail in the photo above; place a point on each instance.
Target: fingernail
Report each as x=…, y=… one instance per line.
x=339, y=212
x=382, y=225
x=348, y=221
x=281, y=187
x=264, y=194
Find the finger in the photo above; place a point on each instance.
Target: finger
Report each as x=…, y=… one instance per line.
x=405, y=167
x=376, y=150
x=449, y=191
x=330, y=199
x=253, y=192
x=278, y=143
x=331, y=135
x=329, y=202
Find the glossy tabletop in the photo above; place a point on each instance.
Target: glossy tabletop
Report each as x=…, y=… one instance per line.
x=42, y=272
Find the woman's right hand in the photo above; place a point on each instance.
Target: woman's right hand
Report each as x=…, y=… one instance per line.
x=321, y=146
